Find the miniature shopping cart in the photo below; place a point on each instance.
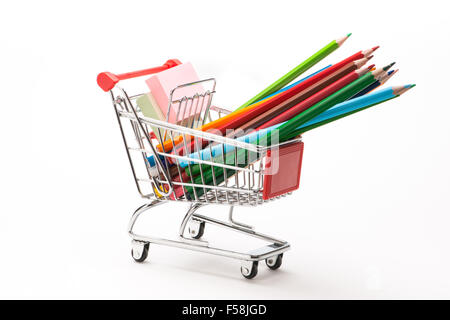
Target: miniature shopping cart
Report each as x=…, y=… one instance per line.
x=160, y=176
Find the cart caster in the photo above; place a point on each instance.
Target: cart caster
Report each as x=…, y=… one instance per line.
x=274, y=262
x=139, y=250
x=196, y=229
x=249, y=269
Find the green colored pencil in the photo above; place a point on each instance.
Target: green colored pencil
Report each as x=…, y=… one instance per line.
x=298, y=70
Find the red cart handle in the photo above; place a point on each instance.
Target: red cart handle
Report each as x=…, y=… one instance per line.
x=107, y=80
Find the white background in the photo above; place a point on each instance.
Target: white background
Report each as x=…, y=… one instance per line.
x=371, y=219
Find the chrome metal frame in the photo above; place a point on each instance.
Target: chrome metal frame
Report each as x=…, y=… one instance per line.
x=275, y=247
x=242, y=187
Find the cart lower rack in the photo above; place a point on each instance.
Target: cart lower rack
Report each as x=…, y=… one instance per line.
x=231, y=178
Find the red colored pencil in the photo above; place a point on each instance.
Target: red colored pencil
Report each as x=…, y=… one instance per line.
x=322, y=94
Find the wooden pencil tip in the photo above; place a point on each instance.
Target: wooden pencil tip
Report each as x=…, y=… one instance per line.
x=340, y=41
x=389, y=75
x=392, y=72
x=402, y=89
x=388, y=66
x=369, y=52
x=371, y=67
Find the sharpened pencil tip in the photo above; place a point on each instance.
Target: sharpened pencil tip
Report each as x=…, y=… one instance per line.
x=340, y=41
x=388, y=66
x=369, y=57
x=369, y=52
x=371, y=67
x=402, y=89
x=392, y=73
x=348, y=35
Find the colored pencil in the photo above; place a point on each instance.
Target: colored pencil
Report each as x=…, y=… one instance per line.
x=303, y=95
x=250, y=112
x=179, y=139
x=293, y=84
x=325, y=104
x=376, y=84
x=298, y=70
x=332, y=102
x=352, y=106
x=285, y=130
x=168, y=145
x=320, y=95
x=340, y=110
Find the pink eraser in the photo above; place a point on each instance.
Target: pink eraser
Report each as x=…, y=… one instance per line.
x=162, y=83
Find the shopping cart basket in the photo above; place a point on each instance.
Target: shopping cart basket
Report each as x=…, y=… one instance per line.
x=234, y=176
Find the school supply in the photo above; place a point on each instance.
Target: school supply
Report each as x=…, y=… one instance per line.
x=162, y=84
x=323, y=105
x=345, y=109
x=284, y=131
x=169, y=145
x=149, y=108
x=305, y=99
x=240, y=116
x=339, y=96
x=253, y=111
x=292, y=85
x=317, y=97
x=376, y=84
x=298, y=70
x=339, y=111
x=352, y=106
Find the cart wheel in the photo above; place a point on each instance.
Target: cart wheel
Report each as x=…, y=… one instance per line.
x=196, y=229
x=139, y=251
x=274, y=262
x=250, y=271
